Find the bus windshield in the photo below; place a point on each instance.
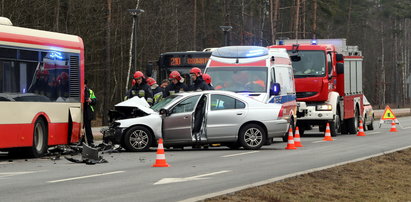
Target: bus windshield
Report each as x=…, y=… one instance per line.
x=239, y=79
x=312, y=64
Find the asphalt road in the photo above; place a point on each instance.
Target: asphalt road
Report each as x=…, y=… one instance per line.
x=193, y=173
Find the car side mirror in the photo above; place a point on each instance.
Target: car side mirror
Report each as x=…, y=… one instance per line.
x=275, y=89
x=164, y=112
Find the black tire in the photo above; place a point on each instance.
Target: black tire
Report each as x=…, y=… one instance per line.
x=335, y=126
x=137, y=139
x=252, y=136
x=40, y=136
x=371, y=126
x=352, y=123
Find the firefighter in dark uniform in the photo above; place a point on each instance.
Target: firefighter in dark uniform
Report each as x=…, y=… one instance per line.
x=207, y=79
x=177, y=84
x=157, y=90
x=198, y=82
x=90, y=101
x=140, y=89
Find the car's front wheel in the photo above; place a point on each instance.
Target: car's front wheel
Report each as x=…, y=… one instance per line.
x=138, y=138
x=252, y=136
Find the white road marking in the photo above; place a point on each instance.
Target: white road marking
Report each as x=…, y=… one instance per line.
x=322, y=141
x=370, y=133
x=185, y=179
x=404, y=127
x=243, y=153
x=2, y=163
x=87, y=176
x=11, y=174
x=275, y=179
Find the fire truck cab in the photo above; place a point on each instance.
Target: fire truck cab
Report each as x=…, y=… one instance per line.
x=328, y=76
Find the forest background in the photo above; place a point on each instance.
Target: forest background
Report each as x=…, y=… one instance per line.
x=381, y=29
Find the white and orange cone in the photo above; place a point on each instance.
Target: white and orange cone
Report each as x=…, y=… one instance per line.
x=161, y=157
x=290, y=143
x=297, y=140
x=327, y=136
x=393, y=127
x=361, y=130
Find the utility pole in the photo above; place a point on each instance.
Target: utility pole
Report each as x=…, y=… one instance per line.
x=226, y=30
x=135, y=13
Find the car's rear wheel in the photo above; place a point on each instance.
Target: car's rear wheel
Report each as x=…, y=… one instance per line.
x=252, y=136
x=40, y=136
x=138, y=138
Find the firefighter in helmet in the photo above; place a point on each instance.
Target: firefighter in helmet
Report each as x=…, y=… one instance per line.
x=140, y=89
x=177, y=84
x=157, y=90
x=198, y=83
x=208, y=80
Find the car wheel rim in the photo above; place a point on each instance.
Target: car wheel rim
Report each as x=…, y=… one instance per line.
x=253, y=137
x=38, y=137
x=139, y=139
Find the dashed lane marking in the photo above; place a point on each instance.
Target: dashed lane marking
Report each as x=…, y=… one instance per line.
x=370, y=133
x=87, y=176
x=243, y=153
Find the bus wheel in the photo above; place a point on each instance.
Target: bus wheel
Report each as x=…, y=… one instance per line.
x=40, y=136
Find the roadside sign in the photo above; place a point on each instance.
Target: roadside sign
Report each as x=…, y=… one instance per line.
x=388, y=114
x=388, y=117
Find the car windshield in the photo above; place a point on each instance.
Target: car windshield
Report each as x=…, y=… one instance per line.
x=312, y=64
x=164, y=102
x=239, y=79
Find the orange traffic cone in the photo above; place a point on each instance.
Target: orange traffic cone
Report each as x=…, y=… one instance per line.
x=297, y=140
x=361, y=130
x=290, y=144
x=161, y=157
x=327, y=136
x=393, y=127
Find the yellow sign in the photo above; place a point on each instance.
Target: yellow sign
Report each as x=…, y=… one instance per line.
x=388, y=114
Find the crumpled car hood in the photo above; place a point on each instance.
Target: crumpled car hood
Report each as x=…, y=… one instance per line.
x=140, y=103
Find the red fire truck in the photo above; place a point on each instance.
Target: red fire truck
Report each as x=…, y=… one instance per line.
x=328, y=79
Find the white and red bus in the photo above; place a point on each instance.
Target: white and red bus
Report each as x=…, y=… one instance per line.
x=41, y=89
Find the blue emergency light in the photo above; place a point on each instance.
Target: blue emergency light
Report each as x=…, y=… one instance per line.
x=281, y=42
x=314, y=42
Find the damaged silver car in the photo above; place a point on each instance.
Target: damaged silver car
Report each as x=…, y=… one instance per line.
x=196, y=119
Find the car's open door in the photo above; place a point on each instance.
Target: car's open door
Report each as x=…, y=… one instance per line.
x=177, y=125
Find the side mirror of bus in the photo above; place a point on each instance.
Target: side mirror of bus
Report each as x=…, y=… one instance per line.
x=275, y=89
x=340, y=68
x=339, y=57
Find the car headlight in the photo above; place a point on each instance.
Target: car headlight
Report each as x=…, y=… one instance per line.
x=325, y=107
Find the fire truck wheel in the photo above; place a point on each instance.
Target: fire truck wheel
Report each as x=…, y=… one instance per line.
x=335, y=126
x=137, y=139
x=352, y=123
x=252, y=136
x=40, y=136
